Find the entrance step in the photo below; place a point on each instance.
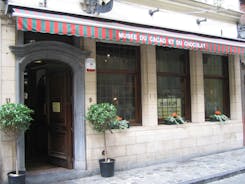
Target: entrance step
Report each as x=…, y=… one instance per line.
x=55, y=175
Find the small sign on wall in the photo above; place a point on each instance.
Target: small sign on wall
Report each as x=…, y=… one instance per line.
x=55, y=106
x=90, y=65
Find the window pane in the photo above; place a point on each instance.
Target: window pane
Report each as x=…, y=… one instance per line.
x=212, y=65
x=171, y=60
x=213, y=96
x=118, y=79
x=216, y=84
x=171, y=96
x=116, y=57
x=172, y=84
x=119, y=90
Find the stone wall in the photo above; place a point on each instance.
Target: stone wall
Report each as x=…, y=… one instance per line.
x=7, y=155
x=139, y=146
x=7, y=61
x=7, y=91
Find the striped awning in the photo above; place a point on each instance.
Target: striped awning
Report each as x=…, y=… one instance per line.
x=37, y=21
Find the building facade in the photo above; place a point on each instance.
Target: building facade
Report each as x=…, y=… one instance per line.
x=149, y=59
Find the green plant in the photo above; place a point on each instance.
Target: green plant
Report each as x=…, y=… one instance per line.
x=218, y=116
x=119, y=124
x=15, y=118
x=174, y=118
x=103, y=117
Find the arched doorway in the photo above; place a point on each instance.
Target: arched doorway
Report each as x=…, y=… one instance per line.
x=48, y=91
x=53, y=51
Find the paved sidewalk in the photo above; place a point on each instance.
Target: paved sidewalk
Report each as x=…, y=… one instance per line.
x=237, y=179
x=196, y=170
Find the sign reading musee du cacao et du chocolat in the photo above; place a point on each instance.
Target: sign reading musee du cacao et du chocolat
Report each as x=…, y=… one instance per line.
x=160, y=40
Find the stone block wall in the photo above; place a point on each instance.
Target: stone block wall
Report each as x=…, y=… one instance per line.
x=7, y=61
x=7, y=91
x=139, y=146
x=7, y=155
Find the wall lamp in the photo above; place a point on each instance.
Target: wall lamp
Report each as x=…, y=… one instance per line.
x=198, y=21
x=151, y=12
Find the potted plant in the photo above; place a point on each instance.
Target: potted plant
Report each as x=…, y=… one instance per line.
x=174, y=119
x=14, y=119
x=218, y=116
x=103, y=117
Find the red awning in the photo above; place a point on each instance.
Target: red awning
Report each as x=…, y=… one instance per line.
x=74, y=26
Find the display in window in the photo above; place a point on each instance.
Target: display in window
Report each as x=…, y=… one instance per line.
x=167, y=106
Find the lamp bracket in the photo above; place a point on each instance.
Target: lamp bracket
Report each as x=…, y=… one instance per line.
x=151, y=12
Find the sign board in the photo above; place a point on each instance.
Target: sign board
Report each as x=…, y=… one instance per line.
x=56, y=107
x=90, y=65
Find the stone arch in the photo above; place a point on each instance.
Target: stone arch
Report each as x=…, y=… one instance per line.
x=72, y=56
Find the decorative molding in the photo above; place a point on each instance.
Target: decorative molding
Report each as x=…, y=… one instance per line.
x=35, y=47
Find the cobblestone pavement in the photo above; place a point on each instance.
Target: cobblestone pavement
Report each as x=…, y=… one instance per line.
x=189, y=171
x=238, y=179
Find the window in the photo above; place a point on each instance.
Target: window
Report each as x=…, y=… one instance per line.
x=118, y=79
x=173, y=86
x=216, y=84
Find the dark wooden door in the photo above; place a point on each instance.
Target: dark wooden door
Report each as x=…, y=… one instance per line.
x=60, y=118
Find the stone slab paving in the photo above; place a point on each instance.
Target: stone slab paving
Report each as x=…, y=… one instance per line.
x=237, y=179
x=195, y=170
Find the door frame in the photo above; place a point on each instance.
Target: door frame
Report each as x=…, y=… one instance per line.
x=72, y=56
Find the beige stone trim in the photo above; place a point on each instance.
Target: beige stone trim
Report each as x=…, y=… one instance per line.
x=235, y=88
x=197, y=87
x=149, y=85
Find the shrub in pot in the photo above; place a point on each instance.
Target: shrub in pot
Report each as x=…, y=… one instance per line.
x=103, y=117
x=15, y=119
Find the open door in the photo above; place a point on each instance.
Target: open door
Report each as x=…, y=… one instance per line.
x=59, y=110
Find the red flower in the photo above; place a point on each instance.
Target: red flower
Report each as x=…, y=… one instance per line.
x=119, y=118
x=174, y=114
x=217, y=112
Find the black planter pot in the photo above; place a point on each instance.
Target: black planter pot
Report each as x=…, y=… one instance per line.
x=17, y=179
x=107, y=168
